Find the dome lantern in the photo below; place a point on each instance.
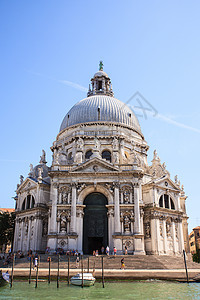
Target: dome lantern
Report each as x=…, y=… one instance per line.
x=101, y=83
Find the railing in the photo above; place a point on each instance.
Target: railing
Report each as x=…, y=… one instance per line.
x=90, y=133
x=123, y=167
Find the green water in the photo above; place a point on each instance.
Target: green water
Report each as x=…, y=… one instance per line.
x=113, y=290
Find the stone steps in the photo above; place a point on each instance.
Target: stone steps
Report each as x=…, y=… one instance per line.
x=114, y=262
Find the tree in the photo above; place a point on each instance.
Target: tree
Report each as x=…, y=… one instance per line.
x=7, y=224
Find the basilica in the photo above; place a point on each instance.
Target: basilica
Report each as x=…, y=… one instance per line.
x=100, y=189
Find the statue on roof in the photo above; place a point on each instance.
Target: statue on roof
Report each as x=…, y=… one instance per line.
x=40, y=172
x=31, y=171
x=43, y=157
x=101, y=66
x=21, y=179
x=155, y=154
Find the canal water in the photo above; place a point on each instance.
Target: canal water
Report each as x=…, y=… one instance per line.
x=149, y=289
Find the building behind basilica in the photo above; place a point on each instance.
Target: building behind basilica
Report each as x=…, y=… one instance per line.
x=100, y=189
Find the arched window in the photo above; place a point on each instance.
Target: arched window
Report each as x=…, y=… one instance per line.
x=33, y=202
x=88, y=154
x=23, y=204
x=106, y=155
x=166, y=202
x=172, y=203
x=28, y=202
x=161, y=201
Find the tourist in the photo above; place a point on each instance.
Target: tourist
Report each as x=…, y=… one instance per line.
x=114, y=251
x=107, y=251
x=102, y=250
x=77, y=261
x=94, y=253
x=97, y=253
x=36, y=262
x=122, y=264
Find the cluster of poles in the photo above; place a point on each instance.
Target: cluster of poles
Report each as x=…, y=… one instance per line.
x=68, y=278
x=58, y=271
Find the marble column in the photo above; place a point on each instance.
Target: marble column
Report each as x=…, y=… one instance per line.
x=117, y=209
x=137, y=227
x=164, y=236
x=80, y=215
x=54, y=198
x=73, y=209
x=110, y=227
x=29, y=234
x=181, y=240
x=174, y=237
x=140, y=192
x=141, y=221
x=153, y=236
x=157, y=228
x=36, y=235
x=16, y=236
x=22, y=235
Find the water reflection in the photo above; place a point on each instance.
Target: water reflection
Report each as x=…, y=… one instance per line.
x=150, y=289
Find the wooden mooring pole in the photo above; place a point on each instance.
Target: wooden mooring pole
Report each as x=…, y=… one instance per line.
x=82, y=269
x=88, y=264
x=102, y=272
x=68, y=272
x=184, y=255
x=49, y=277
x=29, y=281
x=58, y=273
x=12, y=273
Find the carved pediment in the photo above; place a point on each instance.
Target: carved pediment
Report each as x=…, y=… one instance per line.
x=27, y=184
x=95, y=165
x=167, y=183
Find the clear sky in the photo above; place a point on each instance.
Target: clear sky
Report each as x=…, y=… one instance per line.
x=51, y=49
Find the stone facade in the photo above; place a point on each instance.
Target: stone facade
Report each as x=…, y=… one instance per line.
x=100, y=150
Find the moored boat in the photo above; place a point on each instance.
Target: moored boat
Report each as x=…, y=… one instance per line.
x=4, y=278
x=88, y=279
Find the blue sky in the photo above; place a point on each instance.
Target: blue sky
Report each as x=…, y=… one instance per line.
x=148, y=46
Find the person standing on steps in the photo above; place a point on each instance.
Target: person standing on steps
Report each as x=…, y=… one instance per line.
x=36, y=262
x=122, y=264
x=114, y=251
x=77, y=261
x=107, y=251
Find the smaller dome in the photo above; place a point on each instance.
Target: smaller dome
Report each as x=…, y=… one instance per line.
x=101, y=73
x=44, y=172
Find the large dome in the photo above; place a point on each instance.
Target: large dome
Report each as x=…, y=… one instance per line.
x=100, y=108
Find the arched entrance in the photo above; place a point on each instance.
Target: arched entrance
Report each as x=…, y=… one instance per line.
x=95, y=223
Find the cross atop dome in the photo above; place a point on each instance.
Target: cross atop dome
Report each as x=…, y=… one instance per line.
x=101, y=83
x=100, y=65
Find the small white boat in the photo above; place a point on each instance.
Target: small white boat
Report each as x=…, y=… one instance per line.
x=88, y=279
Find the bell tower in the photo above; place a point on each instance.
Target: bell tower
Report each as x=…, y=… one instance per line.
x=101, y=83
